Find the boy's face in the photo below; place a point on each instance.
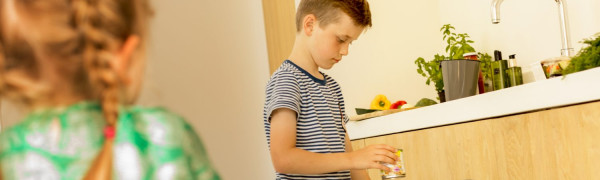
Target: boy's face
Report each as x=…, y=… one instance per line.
x=330, y=43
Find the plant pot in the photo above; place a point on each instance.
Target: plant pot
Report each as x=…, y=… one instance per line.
x=442, y=96
x=460, y=78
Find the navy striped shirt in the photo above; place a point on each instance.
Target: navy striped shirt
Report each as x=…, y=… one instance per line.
x=320, y=108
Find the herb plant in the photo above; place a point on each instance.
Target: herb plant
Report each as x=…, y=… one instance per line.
x=456, y=46
x=485, y=65
x=587, y=58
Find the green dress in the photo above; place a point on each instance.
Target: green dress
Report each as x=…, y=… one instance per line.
x=150, y=143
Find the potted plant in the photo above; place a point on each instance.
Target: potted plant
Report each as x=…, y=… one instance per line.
x=457, y=44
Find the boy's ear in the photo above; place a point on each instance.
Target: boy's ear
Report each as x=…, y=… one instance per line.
x=308, y=24
x=121, y=63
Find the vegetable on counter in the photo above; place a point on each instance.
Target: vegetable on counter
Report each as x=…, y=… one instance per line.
x=360, y=111
x=425, y=102
x=380, y=103
x=397, y=104
x=407, y=106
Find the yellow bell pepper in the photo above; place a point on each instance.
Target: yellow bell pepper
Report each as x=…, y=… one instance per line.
x=380, y=103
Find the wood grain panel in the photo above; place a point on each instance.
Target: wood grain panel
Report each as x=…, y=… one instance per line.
x=358, y=144
x=280, y=29
x=561, y=143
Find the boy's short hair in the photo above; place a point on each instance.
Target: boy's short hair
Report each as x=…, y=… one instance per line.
x=326, y=11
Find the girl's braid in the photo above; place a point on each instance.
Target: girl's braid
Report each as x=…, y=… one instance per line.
x=94, y=19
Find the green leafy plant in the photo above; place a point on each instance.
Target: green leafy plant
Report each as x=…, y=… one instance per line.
x=587, y=58
x=431, y=70
x=457, y=44
x=485, y=65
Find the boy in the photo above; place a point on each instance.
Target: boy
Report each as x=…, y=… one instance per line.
x=304, y=112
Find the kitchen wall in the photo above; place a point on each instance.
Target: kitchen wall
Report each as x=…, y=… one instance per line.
x=381, y=61
x=208, y=62
x=528, y=28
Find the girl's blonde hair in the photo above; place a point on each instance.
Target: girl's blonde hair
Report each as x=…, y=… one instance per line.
x=77, y=40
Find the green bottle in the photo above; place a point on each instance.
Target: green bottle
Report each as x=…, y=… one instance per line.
x=499, y=67
x=515, y=76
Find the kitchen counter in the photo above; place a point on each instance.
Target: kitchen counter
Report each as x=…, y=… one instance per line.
x=575, y=88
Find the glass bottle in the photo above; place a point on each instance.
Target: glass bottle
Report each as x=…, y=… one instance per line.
x=499, y=66
x=515, y=76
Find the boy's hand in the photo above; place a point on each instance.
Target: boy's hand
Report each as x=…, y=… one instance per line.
x=371, y=156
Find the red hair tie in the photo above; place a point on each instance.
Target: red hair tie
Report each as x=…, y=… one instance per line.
x=109, y=132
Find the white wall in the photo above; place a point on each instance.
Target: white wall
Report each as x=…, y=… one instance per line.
x=528, y=28
x=208, y=62
x=381, y=61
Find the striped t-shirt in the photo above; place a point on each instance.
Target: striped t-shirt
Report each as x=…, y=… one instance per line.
x=320, y=108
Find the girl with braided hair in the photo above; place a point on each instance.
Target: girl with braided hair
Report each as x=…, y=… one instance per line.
x=76, y=67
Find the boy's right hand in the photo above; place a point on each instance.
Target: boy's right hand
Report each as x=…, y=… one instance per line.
x=371, y=156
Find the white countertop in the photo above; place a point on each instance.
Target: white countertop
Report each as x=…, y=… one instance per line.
x=576, y=88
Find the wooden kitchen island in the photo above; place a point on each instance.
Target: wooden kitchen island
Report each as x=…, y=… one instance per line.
x=542, y=139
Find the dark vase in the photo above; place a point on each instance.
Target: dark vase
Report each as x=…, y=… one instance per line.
x=442, y=95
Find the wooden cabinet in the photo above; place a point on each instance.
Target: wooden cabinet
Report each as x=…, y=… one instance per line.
x=280, y=29
x=559, y=143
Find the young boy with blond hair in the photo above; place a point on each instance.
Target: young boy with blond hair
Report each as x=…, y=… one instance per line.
x=304, y=113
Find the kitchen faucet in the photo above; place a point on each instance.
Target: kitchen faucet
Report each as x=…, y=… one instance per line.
x=566, y=50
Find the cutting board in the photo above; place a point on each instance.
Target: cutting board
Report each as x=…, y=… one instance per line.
x=377, y=114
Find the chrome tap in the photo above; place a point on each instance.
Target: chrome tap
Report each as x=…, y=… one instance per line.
x=496, y=11
x=566, y=50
